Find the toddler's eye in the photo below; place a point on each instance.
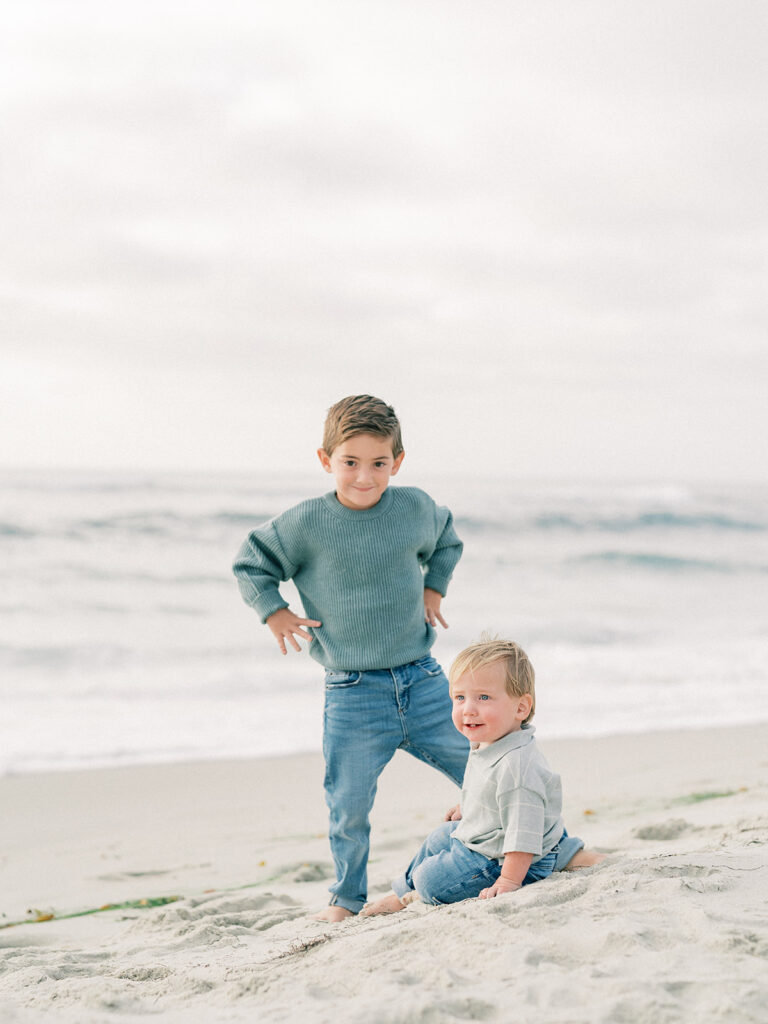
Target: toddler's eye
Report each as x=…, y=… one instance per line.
x=483, y=696
x=459, y=696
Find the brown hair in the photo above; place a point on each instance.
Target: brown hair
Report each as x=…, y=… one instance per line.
x=361, y=414
x=519, y=677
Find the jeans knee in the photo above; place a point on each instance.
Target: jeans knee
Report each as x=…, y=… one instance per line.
x=350, y=826
x=439, y=838
x=426, y=884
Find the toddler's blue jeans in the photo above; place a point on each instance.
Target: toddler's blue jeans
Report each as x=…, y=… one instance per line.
x=368, y=716
x=446, y=871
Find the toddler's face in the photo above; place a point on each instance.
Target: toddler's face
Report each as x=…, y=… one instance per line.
x=362, y=467
x=483, y=711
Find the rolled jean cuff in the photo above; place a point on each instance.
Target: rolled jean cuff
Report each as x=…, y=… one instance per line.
x=353, y=906
x=400, y=887
x=566, y=850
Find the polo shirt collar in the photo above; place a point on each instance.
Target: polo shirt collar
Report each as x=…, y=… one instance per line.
x=512, y=741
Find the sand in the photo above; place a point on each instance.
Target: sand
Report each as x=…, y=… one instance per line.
x=672, y=927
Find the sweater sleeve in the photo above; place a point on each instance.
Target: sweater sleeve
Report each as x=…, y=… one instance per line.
x=260, y=565
x=441, y=562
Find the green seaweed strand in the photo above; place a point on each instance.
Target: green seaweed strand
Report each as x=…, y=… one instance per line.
x=143, y=904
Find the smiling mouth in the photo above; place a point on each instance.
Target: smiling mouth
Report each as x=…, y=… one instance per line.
x=474, y=725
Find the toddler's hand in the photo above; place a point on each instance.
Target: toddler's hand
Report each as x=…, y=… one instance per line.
x=453, y=813
x=432, y=599
x=284, y=623
x=501, y=885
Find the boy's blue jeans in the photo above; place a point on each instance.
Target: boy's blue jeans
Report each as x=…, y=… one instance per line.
x=446, y=871
x=368, y=716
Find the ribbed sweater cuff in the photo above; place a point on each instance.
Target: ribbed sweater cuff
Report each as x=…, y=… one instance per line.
x=267, y=604
x=438, y=583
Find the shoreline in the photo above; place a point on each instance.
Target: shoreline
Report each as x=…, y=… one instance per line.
x=171, y=761
x=242, y=845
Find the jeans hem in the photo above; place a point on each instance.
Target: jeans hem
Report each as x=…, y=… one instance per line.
x=566, y=849
x=400, y=887
x=353, y=906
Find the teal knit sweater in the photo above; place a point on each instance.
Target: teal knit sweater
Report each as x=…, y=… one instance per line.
x=362, y=573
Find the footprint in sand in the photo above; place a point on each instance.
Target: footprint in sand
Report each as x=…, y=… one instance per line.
x=126, y=876
x=145, y=973
x=665, y=830
x=221, y=917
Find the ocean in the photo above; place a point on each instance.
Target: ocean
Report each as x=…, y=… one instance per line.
x=123, y=637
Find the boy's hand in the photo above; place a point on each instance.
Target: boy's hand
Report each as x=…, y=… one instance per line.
x=516, y=864
x=432, y=599
x=500, y=886
x=284, y=623
x=453, y=813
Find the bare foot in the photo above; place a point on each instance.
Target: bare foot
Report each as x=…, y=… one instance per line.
x=389, y=904
x=584, y=859
x=333, y=914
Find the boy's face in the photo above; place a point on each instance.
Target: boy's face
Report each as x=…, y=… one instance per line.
x=362, y=466
x=483, y=711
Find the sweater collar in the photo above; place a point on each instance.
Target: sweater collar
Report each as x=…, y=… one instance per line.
x=494, y=752
x=381, y=507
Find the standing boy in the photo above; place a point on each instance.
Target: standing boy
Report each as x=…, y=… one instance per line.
x=371, y=564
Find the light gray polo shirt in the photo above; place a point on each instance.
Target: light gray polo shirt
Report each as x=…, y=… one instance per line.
x=510, y=801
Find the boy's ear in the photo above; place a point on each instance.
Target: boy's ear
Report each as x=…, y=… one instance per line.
x=524, y=705
x=397, y=463
x=325, y=460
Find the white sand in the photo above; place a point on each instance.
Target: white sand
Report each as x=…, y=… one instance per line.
x=672, y=928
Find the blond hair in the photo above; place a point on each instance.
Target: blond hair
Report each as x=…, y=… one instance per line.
x=519, y=677
x=361, y=414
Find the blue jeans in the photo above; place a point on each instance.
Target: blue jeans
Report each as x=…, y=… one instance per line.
x=446, y=871
x=368, y=716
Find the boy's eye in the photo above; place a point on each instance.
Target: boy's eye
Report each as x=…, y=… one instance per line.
x=458, y=696
x=483, y=696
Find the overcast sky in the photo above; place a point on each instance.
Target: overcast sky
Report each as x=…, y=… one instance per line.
x=538, y=229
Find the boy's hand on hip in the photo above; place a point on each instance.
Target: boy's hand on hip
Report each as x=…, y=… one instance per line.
x=284, y=624
x=432, y=599
x=453, y=813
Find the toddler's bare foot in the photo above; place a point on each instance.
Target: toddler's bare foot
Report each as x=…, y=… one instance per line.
x=584, y=859
x=411, y=897
x=333, y=914
x=388, y=904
